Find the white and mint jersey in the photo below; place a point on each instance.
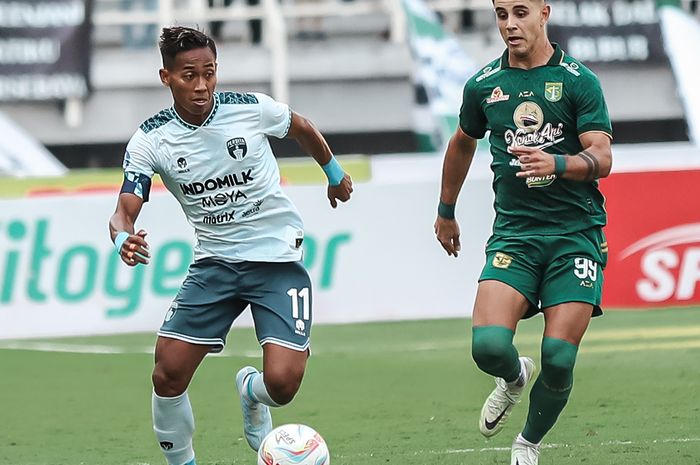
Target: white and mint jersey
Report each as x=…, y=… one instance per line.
x=225, y=176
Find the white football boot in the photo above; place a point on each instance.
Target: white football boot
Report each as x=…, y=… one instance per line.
x=501, y=401
x=524, y=452
x=257, y=421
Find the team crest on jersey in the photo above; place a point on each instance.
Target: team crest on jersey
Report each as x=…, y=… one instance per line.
x=237, y=148
x=497, y=96
x=171, y=312
x=553, y=91
x=528, y=117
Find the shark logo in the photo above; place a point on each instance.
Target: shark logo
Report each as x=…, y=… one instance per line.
x=528, y=117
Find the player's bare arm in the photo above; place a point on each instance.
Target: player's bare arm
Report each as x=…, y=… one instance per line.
x=591, y=163
x=312, y=142
x=134, y=249
x=458, y=159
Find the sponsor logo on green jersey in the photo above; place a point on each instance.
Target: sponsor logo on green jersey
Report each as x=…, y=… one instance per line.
x=540, y=181
x=528, y=116
x=497, y=96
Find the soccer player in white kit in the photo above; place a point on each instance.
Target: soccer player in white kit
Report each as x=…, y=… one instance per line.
x=212, y=152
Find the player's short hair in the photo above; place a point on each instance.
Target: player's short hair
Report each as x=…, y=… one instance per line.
x=177, y=39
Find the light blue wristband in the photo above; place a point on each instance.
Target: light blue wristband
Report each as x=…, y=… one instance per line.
x=119, y=240
x=334, y=172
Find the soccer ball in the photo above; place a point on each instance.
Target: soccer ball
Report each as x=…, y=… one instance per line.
x=293, y=445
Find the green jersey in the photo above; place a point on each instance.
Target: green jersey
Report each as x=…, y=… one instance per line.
x=547, y=107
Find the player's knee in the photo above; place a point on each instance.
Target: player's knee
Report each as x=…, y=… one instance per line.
x=166, y=382
x=558, y=360
x=491, y=345
x=283, y=383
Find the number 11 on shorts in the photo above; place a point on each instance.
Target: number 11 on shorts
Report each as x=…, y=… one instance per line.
x=295, y=294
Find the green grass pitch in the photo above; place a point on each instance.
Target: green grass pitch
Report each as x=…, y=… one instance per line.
x=292, y=171
x=403, y=393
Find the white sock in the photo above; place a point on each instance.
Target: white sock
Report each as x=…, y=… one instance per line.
x=173, y=424
x=520, y=382
x=522, y=440
x=258, y=392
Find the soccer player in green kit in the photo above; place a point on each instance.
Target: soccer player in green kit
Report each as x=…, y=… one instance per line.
x=550, y=138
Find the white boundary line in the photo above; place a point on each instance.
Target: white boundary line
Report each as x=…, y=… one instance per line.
x=478, y=450
x=506, y=449
x=566, y=446
x=61, y=347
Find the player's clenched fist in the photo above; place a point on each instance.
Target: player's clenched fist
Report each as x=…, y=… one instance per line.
x=340, y=192
x=134, y=249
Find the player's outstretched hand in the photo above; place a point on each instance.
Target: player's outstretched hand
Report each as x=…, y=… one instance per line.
x=340, y=192
x=135, y=249
x=533, y=161
x=447, y=232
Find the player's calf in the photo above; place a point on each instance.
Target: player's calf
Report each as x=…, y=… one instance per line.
x=281, y=383
x=173, y=424
x=551, y=391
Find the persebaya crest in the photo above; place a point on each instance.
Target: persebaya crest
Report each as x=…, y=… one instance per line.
x=553, y=91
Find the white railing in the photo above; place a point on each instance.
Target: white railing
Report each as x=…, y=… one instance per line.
x=273, y=15
x=275, y=36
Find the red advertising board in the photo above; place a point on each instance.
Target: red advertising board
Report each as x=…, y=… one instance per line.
x=653, y=235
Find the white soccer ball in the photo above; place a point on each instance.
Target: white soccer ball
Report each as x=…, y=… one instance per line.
x=293, y=445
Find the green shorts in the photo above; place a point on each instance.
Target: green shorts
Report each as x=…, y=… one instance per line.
x=216, y=292
x=550, y=270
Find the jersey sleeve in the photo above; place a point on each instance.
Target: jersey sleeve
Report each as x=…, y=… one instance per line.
x=471, y=116
x=139, y=166
x=275, y=117
x=591, y=109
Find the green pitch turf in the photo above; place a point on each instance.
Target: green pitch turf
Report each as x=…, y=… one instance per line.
x=386, y=393
x=292, y=171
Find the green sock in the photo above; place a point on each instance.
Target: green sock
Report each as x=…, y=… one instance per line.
x=552, y=388
x=494, y=352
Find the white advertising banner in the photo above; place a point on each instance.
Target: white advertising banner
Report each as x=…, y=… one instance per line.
x=374, y=258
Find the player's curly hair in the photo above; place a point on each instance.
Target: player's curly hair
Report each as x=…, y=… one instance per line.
x=176, y=39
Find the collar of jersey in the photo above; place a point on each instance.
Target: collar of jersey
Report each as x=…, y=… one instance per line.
x=206, y=122
x=555, y=60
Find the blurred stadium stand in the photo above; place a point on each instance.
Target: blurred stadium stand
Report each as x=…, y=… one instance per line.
x=354, y=80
